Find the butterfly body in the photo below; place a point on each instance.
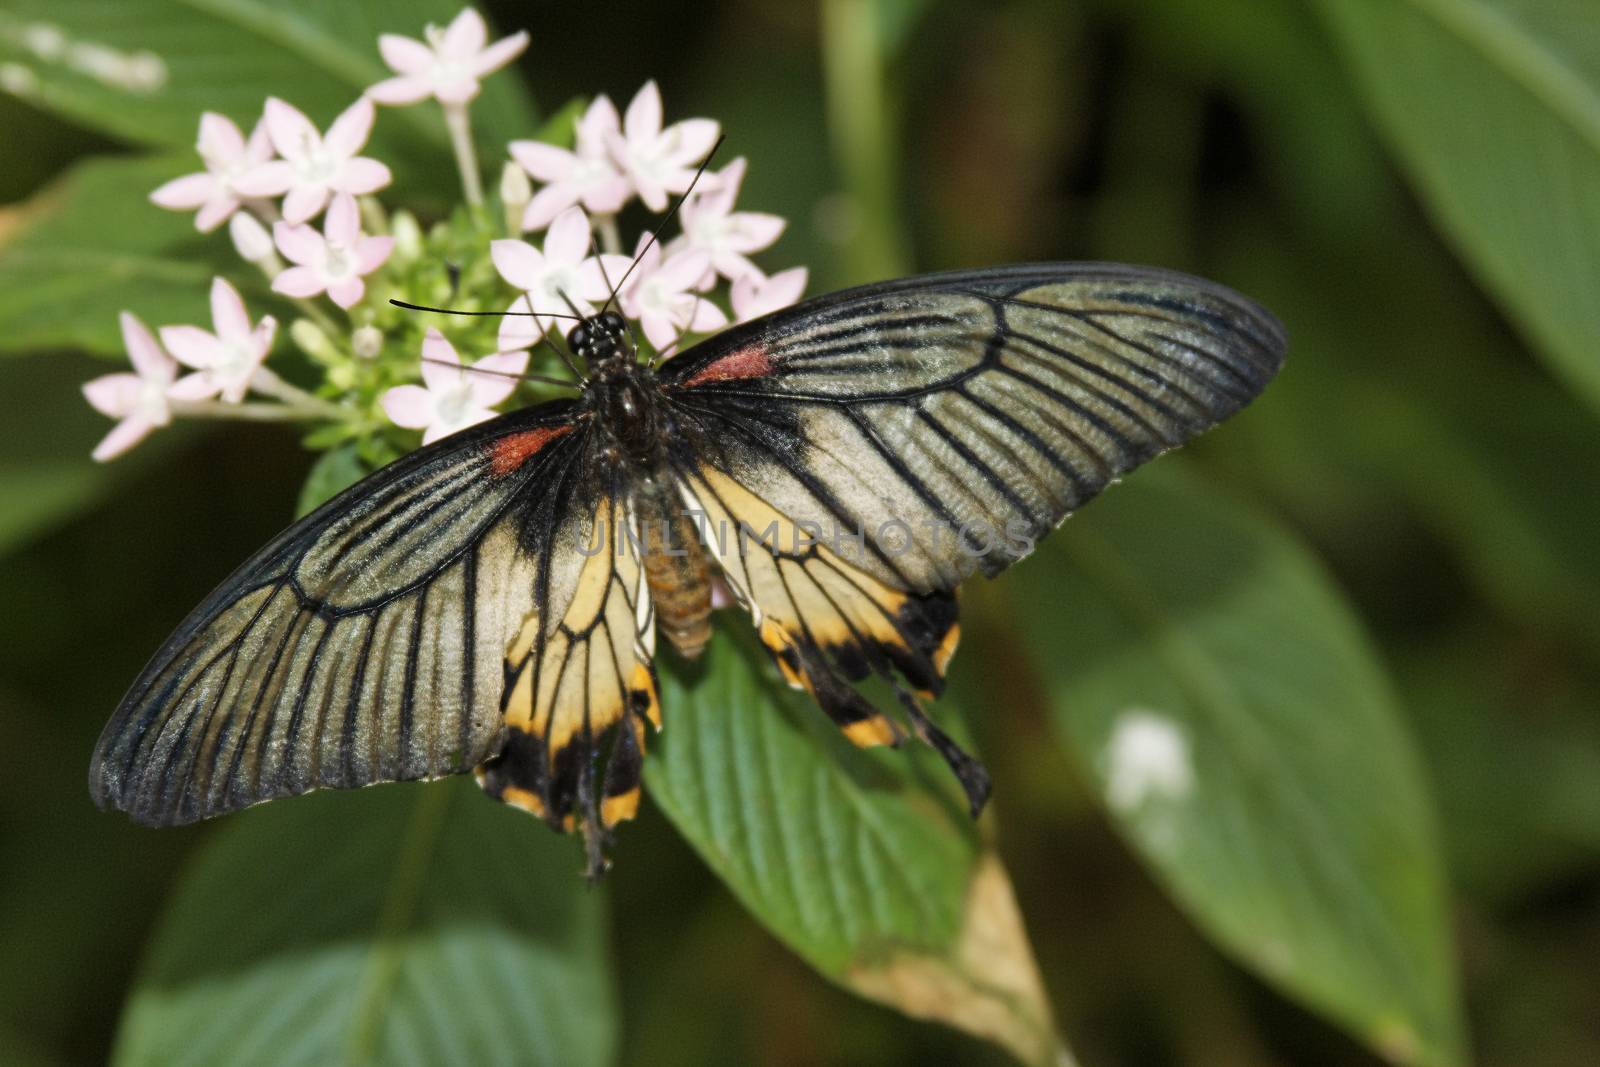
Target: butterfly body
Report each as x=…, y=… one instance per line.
x=490, y=603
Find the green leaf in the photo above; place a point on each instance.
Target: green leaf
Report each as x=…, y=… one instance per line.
x=35, y=497
x=400, y=924
x=862, y=862
x=334, y=472
x=1494, y=109
x=1217, y=689
x=91, y=244
x=189, y=56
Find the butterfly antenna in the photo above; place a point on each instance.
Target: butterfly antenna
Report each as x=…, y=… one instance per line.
x=454, y=311
x=671, y=214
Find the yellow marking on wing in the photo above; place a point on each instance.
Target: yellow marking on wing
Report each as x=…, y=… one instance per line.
x=871, y=732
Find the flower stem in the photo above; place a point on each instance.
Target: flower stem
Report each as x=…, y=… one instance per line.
x=318, y=316
x=460, y=125
x=268, y=383
x=215, y=409
x=610, y=237
x=864, y=136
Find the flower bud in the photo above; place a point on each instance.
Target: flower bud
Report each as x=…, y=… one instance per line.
x=407, y=236
x=367, y=342
x=515, y=192
x=313, y=342
x=250, y=238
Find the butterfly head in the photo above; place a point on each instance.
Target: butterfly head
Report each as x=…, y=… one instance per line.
x=601, y=339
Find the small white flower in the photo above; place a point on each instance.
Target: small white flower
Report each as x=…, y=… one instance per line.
x=563, y=270
x=586, y=175
x=711, y=225
x=448, y=66
x=452, y=397
x=659, y=161
x=333, y=261
x=224, y=361
x=139, y=399
x=213, y=193
x=661, y=296
x=754, y=295
x=315, y=167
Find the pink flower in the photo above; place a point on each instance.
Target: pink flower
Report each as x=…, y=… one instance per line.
x=333, y=261
x=711, y=225
x=661, y=296
x=754, y=295
x=314, y=167
x=453, y=397
x=227, y=157
x=586, y=175
x=659, y=161
x=448, y=66
x=563, y=270
x=139, y=399
x=224, y=361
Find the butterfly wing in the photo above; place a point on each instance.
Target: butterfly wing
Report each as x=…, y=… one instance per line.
x=897, y=437
x=366, y=643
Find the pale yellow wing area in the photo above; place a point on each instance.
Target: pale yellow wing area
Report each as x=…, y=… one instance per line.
x=579, y=678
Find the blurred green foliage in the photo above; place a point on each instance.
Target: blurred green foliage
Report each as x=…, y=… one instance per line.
x=1369, y=606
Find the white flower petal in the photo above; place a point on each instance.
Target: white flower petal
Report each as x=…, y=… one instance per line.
x=343, y=224
x=643, y=119
x=298, y=281
x=347, y=294
x=127, y=433
x=361, y=176
x=464, y=37
x=192, y=346
x=518, y=262
x=303, y=202
x=215, y=212
x=220, y=142
x=567, y=243
x=404, y=54
x=397, y=92
x=272, y=178
x=441, y=364
x=151, y=363
x=228, y=315
x=499, y=54
x=545, y=162
x=371, y=253
x=184, y=194
x=410, y=406
x=299, y=244
x=293, y=135
x=351, y=129
x=194, y=387
x=546, y=204
x=114, y=394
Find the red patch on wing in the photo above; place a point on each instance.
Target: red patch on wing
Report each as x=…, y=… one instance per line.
x=509, y=453
x=751, y=361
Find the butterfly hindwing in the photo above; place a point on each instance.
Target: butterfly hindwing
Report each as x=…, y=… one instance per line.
x=578, y=672
x=919, y=430
x=365, y=643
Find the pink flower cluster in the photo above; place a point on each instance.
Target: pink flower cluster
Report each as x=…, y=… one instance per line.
x=225, y=362
x=271, y=186
x=613, y=159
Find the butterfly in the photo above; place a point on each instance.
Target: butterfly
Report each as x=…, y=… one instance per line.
x=490, y=602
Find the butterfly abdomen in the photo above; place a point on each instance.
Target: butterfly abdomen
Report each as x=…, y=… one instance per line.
x=675, y=568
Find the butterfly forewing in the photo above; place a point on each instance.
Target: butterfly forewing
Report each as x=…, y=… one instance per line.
x=366, y=643
x=890, y=440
